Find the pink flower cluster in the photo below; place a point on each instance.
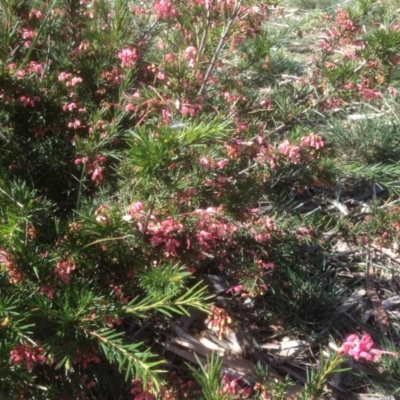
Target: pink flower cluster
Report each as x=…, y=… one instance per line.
x=74, y=123
x=326, y=46
x=15, y=274
x=362, y=348
x=33, y=68
x=264, y=228
x=190, y=55
x=136, y=208
x=29, y=101
x=34, y=13
x=47, y=291
x=231, y=386
x=68, y=79
x=293, y=152
x=232, y=98
x=72, y=106
x=219, y=321
x=332, y=103
x=312, y=140
x=369, y=94
x=163, y=233
x=211, y=163
x=63, y=270
x=188, y=108
x=212, y=229
x=128, y=57
x=26, y=353
x=94, y=168
x=164, y=9
x=290, y=151
x=344, y=23
x=27, y=35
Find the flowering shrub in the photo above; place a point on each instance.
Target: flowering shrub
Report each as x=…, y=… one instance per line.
x=140, y=151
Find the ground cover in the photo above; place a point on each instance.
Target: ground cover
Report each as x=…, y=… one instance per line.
x=199, y=199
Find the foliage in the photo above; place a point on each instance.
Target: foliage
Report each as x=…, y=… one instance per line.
x=146, y=146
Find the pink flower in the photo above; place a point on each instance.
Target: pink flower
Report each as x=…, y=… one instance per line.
x=325, y=45
x=36, y=13
x=222, y=163
x=284, y=147
x=128, y=58
x=161, y=76
x=47, y=291
x=155, y=241
x=233, y=386
x=171, y=245
x=130, y=108
x=20, y=73
x=28, y=101
x=69, y=106
x=369, y=94
x=290, y=151
x=237, y=289
x=63, y=76
x=74, y=124
x=362, y=348
x=27, y=354
x=35, y=67
x=222, y=179
x=135, y=208
x=164, y=9
x=15, y=274
x=312, y=140
x=27, y=34
x=204, y=235
x=76, y=80
x=169, y=57
x=188, y=109
x=263, y=237
x=394, y=26
x=63, y=269
x=190, y=55
x=205, y=162
x=392, y=91
x=98, y=175
x=166, y=114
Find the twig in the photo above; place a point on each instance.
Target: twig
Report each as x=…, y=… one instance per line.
x=378, y=309
x=386, y=252
x=221, y=43
x=149, y=216
x=209, y=9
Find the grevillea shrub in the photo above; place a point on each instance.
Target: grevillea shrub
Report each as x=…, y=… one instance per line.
x=138, y=153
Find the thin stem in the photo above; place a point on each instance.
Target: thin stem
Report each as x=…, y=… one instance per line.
x=149, y=215
x=32, y=46
x=205, y=33
x=221, y=43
